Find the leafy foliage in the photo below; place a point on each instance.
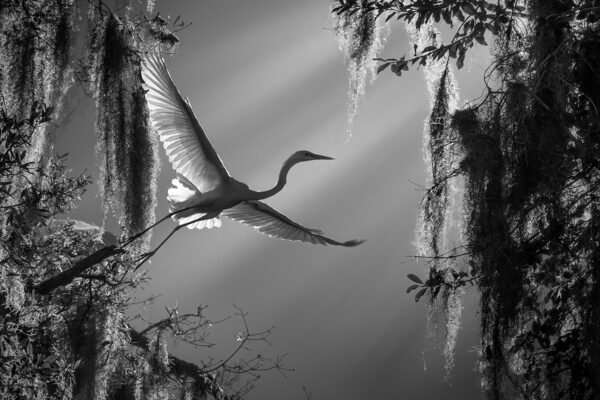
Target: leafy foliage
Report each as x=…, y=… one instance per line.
x=66, y=286
x=36, y=363
x=470, y=19
x=527, y=154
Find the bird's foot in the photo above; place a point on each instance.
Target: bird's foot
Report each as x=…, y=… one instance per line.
x=353, y=242
x=145, y=257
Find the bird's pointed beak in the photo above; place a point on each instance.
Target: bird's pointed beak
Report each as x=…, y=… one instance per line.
x=319, y=157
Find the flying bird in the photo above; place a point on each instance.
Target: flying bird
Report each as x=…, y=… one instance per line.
x=203, y=190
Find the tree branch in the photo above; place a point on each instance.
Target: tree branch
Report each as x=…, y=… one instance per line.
x=66, y=277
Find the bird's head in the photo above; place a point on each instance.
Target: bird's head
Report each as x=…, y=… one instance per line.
x=305, y=155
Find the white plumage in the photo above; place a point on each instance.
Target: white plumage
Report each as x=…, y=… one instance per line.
x=203, y=189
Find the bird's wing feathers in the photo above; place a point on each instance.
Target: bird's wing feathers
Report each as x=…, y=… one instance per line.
x=186, y=144
x=267, y=220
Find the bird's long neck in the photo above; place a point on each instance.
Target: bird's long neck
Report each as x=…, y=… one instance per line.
x=285, y=168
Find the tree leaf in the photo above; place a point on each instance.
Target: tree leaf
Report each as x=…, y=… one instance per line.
x=492, y=28
x=49, y=360
x=439, y=53
x=414, y=278
x=460, y=62
x=481, y=40
x=469, y=9
x=453, y=49
x=411, y=288
x=29, y=349
x=420, y=20
x=420, y=294
x=383, y=66
x=447, y=17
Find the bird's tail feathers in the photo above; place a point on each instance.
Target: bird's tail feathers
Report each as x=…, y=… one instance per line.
x=208, y=223
x=188, y=216
x=184, y=195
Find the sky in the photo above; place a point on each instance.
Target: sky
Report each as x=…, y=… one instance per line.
x=265, y=78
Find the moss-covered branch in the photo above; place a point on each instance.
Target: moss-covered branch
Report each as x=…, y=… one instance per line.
x=66, y=277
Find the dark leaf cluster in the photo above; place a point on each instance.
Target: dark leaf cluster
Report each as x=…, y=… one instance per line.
x=470, y=20
x=65, y=285
x=528, y=156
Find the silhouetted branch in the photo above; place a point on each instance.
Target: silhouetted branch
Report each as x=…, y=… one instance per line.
x=66, y=277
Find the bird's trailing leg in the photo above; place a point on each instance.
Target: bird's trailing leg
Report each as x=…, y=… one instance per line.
x=139, y=234
x=147, y=256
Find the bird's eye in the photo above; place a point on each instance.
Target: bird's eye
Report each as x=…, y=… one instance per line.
x=306, y=153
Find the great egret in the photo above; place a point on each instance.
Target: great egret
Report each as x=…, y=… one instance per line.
x=203, y=189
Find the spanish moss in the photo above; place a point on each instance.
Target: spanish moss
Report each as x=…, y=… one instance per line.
x=532, y=212
x=66, y=334
x=361, y=37
x=439, y=148
x=126, y=148
x=440, y=205
x=34, y=60
x=152, y=374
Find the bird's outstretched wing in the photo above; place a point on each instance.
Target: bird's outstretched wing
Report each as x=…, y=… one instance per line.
x=186, y=144
x=267, y=220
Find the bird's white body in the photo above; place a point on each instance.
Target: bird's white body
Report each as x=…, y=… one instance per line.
x=203, y=190
x=184, y=196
